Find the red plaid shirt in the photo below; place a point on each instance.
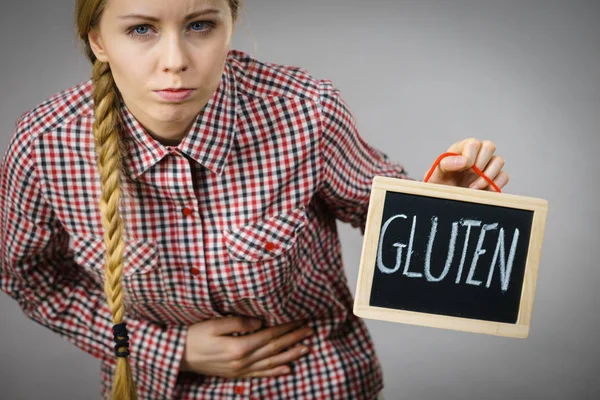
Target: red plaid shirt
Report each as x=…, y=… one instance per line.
x=239, y=218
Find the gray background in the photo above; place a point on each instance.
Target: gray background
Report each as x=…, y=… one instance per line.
x=419, y=75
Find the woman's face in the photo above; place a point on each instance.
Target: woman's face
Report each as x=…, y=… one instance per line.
x=152, y=45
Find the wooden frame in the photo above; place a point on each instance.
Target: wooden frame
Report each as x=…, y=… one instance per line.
x=381, y=185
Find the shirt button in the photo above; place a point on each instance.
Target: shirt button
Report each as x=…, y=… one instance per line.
x=270, y=246
x=187, y=211
x=239, y=390
x=194, y=271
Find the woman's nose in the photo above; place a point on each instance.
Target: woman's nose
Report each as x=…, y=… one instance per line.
x=174, y=58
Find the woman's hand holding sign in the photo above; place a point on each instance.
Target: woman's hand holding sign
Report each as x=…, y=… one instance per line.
x=458, y=170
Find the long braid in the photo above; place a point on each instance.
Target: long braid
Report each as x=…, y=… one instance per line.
x=106, y=136
x=108, y=148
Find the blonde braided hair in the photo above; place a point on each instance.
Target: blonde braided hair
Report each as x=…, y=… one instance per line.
x=106, y=128
x=106, y=138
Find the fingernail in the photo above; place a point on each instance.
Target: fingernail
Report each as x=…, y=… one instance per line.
x=304, y=350
x=310, y=332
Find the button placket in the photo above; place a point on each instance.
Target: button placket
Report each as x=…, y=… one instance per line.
x=189, y=226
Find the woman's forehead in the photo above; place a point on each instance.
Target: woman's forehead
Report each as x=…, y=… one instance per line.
x=161, y=9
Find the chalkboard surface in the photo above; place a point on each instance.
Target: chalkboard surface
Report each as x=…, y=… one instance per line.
x=450, y=257
x=466, y=259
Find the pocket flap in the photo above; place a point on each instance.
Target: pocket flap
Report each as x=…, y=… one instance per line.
x=139, y=256
x=267, y=238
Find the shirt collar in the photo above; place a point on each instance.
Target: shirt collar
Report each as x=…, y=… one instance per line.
x=208, y=142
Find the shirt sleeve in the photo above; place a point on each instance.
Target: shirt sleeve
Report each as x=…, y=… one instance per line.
x=348, y=162
x=52, y=290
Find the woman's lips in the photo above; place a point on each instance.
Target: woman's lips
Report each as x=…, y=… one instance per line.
x=174, y=95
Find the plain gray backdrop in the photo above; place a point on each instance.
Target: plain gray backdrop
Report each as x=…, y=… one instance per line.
x=418, y=75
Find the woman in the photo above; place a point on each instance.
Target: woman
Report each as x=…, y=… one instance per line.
x=186, y=195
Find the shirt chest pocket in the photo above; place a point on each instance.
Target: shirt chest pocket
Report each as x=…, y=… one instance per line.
x=141, y=280
x=264, y=256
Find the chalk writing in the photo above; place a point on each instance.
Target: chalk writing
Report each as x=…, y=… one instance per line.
x=500, y=257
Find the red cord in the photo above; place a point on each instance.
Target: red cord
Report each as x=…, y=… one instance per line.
x=439, y=159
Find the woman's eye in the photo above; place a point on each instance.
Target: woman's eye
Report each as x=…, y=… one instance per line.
x=141, y=30
x=138, y=31
x=202, y=27
x=198, y=27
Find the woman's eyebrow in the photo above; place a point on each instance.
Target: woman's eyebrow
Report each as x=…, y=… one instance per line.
x=154, y=19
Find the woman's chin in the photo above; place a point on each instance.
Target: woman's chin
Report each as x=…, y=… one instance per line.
x=176, y=113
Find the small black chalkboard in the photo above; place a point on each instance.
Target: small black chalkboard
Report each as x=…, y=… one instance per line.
x=449, y=257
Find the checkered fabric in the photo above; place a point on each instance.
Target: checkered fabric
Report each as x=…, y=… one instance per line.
x=239, y=218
